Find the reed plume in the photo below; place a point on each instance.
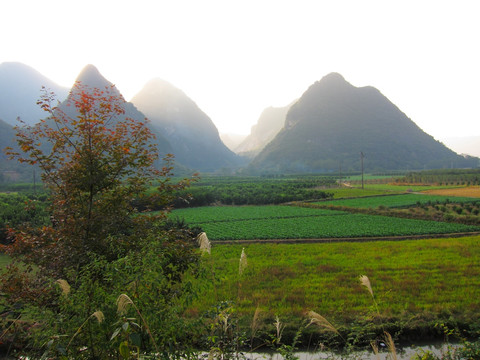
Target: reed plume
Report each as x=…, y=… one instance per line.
x=64, y=286
x=97, y=315
x=243, y=262
x=390, y=345
x=255, y=324
x=374, y=346
x=123, y=301
x=320, y=321
x=279, y=328
x=204, y=243
x=365, y=281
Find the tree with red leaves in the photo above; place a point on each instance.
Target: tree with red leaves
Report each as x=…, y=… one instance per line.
x=96, y=161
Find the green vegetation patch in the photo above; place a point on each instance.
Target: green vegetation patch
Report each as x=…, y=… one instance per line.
x=282, y=222
x=235, y=213
x=412, y=280
x=395, y=201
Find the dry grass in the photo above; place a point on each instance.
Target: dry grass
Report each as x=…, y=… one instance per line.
x=468, y=191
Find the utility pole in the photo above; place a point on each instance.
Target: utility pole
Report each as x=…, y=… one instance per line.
x=362, y=155
x=340, y=171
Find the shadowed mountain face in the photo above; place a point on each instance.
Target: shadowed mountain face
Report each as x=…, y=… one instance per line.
x=11, y=170
x=20, y=86
x=270, y=122
x=333, y=122
x=192, y=134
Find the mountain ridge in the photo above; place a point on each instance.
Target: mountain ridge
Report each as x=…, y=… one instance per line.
x=20, y=86
x=270, y=122
x=193, y=135
x=334, y=121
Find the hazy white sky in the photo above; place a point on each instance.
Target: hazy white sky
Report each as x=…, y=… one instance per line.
x=235, y=58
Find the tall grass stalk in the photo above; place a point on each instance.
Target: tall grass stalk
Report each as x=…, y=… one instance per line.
x=374, y=346
x=122, y=303
x=279, y=329
x=255, y=325
x=204, y=243
x=365, y=281
x=390, y=345
x=242, y=265
x=321, y=322
x=64, y=286
x=243, y=262
x=97, y=315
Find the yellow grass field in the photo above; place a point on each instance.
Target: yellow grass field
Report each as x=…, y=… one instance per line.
x=468, y=191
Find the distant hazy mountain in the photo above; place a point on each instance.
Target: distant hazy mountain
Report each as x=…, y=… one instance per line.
x=7, y=138
x=194, y=138
x=20, y=86
x=11, y=170
x=91, y=77
x=270, y=122
x=232, y=140
x=464, y=145
x=333, y=122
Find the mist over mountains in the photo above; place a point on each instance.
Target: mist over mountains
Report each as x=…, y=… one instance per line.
x=270, y=122
x=194, y=138
x=323, y=131
x=20, y=86
x=91, y=77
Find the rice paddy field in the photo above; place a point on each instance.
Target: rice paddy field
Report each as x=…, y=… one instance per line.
x=414, y=281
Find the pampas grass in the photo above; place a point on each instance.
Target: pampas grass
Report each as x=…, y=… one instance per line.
x=204, y=243
x=243, y=262
x=64, y=286
x=374, y=346
x=320, y=321
x=123, y=301
x=365, y=281
x=390, y=345
x=279, y=329
x=97, y=315
x=255, y=324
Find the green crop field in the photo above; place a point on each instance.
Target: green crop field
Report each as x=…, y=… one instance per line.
x=392, y=201
x=413, y=280
x=235, y=213
x=282, y=222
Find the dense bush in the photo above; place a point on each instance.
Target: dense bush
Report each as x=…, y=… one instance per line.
x=255, y=191
x=19, y=209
